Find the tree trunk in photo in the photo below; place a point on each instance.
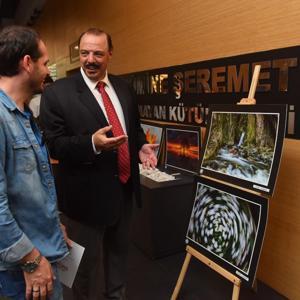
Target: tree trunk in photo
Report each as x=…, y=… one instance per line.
x=253, y=130
x=216, y=137
x=266, y=130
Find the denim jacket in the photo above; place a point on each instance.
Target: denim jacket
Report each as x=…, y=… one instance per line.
x=28, y=211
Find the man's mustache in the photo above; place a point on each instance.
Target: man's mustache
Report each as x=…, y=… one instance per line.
x=92, y=66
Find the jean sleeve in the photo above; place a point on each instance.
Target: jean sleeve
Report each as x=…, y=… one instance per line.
x=14, y=244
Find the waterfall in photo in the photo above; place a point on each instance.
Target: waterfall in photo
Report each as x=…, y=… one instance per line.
x=241, y=139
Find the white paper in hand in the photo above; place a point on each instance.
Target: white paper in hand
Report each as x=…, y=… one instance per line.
x=67, y=268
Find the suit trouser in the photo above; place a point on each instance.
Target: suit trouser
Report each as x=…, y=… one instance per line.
x=105, y=246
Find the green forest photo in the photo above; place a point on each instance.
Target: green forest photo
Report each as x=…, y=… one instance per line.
x=242, y=145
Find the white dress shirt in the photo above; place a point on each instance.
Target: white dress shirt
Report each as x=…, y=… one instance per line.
x=112, y=95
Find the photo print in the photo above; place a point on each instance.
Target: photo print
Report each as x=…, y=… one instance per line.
x=183, y=148
x=228, y=226
x=154, y=134
x=243, y=145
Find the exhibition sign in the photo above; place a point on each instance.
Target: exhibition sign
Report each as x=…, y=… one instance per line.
x=182, y=94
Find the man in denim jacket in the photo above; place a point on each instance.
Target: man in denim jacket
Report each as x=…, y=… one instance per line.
x=31, y=239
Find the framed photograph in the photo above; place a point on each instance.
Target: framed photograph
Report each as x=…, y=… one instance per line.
x=154, y=134
x=74, y=52
x=243, y=145
x=227, y=225
x=183, y=145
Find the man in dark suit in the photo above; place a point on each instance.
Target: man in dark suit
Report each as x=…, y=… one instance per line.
x=98, y=172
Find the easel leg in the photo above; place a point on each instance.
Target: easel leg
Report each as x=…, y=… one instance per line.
x=254, y=287
x=236, y=291
x=181, y=276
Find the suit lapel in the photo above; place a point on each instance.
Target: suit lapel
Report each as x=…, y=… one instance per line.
x=88, y=99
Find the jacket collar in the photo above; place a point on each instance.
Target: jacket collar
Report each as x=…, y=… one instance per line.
x=88, y=99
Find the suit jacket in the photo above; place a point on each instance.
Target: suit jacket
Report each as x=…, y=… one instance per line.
x=88, y=186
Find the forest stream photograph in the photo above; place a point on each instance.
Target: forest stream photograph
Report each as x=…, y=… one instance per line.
x=242, y=145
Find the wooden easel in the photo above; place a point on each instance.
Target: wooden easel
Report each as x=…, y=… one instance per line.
x=191, y=251
x=250, y=100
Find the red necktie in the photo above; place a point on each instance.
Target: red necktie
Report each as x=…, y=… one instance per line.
x=123, y=152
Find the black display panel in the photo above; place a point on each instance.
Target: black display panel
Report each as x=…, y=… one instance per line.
x=228, y=226
x=183, y=93
x=243, y=145
x=183, y=146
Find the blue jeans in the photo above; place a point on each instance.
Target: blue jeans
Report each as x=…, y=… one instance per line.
x=12, y=285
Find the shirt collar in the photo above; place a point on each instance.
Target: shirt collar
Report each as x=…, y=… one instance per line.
x=7, y=101
x=11, y=105
x=93, y=84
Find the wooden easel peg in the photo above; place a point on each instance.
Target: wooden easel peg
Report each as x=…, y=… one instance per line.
x=250, y=100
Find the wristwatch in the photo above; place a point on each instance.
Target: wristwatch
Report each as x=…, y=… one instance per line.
x=31, y=265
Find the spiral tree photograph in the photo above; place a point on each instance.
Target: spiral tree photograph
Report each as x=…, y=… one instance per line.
x=228, y=227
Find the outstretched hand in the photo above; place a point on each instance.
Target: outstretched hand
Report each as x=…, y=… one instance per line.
x=102, y=142
x=147, y=155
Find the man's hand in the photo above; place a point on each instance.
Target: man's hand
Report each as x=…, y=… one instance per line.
x=104, y=143
x=39, y=284
x=147, y=155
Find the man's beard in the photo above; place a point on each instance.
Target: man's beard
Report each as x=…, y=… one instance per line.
x=37, y=88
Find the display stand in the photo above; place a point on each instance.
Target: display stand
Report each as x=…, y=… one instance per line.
x=159, y=227
x=191, y=251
